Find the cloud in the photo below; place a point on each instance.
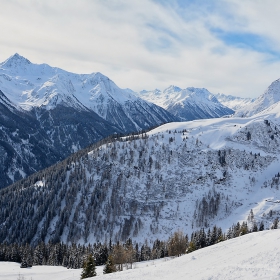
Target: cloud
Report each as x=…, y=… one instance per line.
x=224, y=46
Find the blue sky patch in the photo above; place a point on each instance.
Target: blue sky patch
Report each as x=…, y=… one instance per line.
x=245, y=40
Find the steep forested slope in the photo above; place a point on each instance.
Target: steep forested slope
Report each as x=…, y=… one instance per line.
x=178, y=176
x=33, y=140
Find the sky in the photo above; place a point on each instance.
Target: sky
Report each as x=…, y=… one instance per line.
x=226, y=46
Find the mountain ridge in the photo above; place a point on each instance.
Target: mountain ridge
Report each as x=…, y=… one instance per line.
x=40, y=85
x=234, y=102
x=270, y=96
x=187, y=104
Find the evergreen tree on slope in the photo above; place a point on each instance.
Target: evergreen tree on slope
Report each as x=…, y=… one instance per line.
x=89, y=268
x=109, y=266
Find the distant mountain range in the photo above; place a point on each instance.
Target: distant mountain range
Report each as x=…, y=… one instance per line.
x=32, y=86
x=35, y=139
x=188, y=104
x=233, y=102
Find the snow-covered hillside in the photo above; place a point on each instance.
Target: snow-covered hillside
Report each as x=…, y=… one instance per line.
x=187, y=104
x=233, y=102
x=253, y=256
x=267, y=99
x=184, y=175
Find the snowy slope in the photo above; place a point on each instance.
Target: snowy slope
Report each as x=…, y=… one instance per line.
x=6, y=102
x=149, y=186
x=187, y=104
x=233, y=102
x=267, y=99
x=253, y=256
x=31, y=86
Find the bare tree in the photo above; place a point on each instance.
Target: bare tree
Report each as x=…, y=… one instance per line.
x=177, y=244
x=119, y=255
x=130, y=255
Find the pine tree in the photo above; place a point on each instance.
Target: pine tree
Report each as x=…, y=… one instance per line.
x=24, y=263
x=26, y=260
x=38, y=255
x=191, y=247
x=255, y=227
x=275, y=223
x=109, y=266
x=89, y=268
x=261, y=228
x=243, y=229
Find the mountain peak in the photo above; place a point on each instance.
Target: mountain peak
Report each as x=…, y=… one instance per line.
x=199, y=91
x=270, y=97
x=172, y=89
x=273, y=89
x=15, y=60
x=100, y=76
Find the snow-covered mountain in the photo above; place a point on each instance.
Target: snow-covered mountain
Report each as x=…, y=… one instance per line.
x=121, y=107
x=40, y=86
x=233, y=102
x=33, y=140
x=47, y=113
x=30, y=85
x=188, y=104
x=184, y=175
x=181, y=175
x=267, y=99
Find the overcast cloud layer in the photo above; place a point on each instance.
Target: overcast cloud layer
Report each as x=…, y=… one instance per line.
x=226, y=46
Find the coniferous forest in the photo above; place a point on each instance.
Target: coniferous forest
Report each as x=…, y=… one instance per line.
x=120, y=254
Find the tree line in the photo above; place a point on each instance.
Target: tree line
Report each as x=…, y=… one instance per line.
x=116, y=256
